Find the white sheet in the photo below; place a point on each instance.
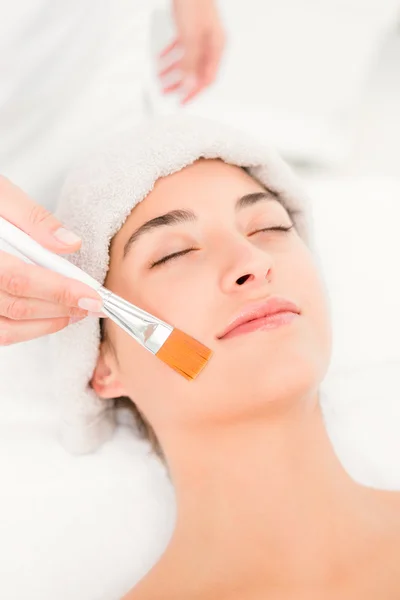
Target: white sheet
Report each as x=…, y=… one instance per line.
x=51, y=504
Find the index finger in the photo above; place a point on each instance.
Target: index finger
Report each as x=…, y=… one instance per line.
x=19, y=279
x=20, y=210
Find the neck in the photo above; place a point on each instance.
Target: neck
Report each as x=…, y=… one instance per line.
x=273, y=484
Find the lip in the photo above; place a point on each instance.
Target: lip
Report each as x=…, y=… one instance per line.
x=270, y=314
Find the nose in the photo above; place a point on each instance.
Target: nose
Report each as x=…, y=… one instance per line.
x=246, y=265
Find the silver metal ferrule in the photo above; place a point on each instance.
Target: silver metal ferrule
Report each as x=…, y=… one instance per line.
x=145, y=328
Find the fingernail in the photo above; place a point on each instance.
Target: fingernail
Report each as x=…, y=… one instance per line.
x=90, y=304
x=66, y=237
x=75, y=319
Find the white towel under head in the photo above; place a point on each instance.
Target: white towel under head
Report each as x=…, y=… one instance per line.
x=96, y=200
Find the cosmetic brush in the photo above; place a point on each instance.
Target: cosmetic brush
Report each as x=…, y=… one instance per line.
x=175, y=348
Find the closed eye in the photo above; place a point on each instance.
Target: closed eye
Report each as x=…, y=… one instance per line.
x=174, y=255
x=170, y=257
x=283, y=228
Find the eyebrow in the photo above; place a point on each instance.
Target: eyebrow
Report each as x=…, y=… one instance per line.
x=176, y=217
x=250, y=199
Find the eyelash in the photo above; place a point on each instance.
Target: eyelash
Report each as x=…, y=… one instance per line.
x=169, y=257
x=283, y=228
x=174, y=255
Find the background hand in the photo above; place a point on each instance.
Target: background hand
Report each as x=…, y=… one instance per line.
x=199, y=46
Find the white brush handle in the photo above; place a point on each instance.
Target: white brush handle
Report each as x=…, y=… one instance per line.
x=22, y=242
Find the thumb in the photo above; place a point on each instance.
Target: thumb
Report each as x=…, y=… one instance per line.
x=20, y=210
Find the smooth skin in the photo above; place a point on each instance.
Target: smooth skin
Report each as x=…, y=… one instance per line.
x=265, y=509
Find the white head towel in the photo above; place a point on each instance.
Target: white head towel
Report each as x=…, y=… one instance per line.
x=95, y=202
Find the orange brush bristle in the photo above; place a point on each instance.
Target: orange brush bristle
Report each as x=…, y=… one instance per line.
x=184, y=354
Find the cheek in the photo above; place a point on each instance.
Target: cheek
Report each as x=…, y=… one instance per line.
x=150, y=383
x=157, y=390
x=139, y=371
x=316, y=309
x=178, y=297
x=303, y=281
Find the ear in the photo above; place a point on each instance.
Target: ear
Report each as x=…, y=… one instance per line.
x=106, y=380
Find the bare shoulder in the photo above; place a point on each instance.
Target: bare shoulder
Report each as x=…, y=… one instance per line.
x=177, y=576
x=387, y=516
x=389, y=501
x=149, y=588
x=162, y=581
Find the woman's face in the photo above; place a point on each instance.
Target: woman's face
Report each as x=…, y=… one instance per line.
x=209, y=242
